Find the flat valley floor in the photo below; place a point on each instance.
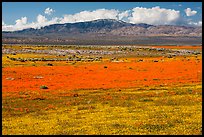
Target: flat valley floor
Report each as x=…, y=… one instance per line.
x=101, y=90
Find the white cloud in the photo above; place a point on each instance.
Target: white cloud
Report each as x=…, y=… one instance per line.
x=22, y=21
x=21, y=24
x=90, y=15
x=124, y=14
x=179, y=5
x=49, y=11
x=3, y=23
x=199, y=23
x=8, y=28
x=154, y=15
x=41, y=19
x=190, y=12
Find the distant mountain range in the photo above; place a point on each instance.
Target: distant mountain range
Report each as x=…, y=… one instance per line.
x=106, y=31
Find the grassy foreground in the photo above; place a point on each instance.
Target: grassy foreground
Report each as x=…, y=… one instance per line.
x=147, y=110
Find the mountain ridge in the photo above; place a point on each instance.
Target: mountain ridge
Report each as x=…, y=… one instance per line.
x=107, y=30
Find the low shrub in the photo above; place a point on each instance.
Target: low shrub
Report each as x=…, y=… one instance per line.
x=43, y=87
x=49, y=64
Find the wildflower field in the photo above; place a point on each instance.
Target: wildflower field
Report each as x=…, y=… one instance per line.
x=101, y=90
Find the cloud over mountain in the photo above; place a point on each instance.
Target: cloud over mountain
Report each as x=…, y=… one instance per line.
x=90, y=15
x=153, y=16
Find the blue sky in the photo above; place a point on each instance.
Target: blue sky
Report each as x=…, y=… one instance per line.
x=28, y=12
